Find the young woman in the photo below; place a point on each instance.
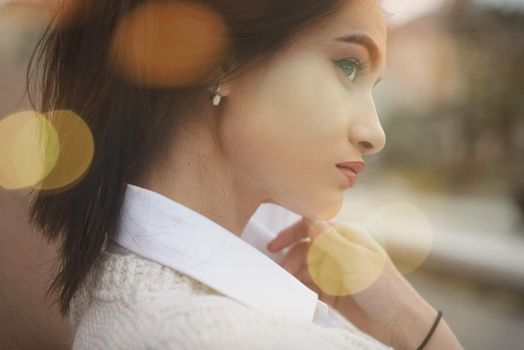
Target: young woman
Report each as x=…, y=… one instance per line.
x=158, y=237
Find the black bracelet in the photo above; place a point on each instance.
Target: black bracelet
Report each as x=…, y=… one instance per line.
x=435, y=324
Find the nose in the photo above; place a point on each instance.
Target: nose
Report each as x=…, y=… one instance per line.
x=366, y=132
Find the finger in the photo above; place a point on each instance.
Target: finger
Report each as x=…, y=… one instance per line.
x=358, y=235
x=327, y=238
x=304, y=276
x=316, y=227
x=295, y=258
x=286, y=237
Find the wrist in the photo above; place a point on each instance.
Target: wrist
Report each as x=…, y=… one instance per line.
x=414, y=322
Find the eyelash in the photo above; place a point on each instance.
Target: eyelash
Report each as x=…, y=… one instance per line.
x=357, y=64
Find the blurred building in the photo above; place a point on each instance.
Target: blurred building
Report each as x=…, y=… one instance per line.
x=455, y=84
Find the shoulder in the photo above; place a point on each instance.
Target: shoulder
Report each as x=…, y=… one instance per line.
x=207, y=322
x=134, y=303
x=199, y=322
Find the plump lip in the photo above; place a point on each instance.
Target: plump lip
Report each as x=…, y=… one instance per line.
x=350, y=175
x=355, y=166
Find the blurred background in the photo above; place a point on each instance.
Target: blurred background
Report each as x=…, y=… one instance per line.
x=445, y=196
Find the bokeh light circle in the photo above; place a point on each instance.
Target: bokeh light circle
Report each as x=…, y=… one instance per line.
x=345, y=261
x=406, y=232
x=29, y=149
x=169, y=43
x=76, y=150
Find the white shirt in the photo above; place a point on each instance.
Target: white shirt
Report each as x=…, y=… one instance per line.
x=163, y=230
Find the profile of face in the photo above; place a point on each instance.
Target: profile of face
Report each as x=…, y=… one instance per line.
x=288, y=122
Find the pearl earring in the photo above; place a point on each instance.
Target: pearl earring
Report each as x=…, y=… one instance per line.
x=217, y=97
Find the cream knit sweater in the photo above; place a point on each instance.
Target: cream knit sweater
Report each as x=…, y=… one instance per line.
x=131, y=302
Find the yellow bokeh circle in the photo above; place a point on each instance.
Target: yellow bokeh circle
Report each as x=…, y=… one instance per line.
x=406, y=232
x=345, y=260
x=76, y=150
x=29, y=149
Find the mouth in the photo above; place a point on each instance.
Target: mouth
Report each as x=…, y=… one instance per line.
x=355, y=166
x=349, y=174
x=350, y=170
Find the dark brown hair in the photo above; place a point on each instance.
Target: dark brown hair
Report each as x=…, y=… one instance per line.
x=130, y=123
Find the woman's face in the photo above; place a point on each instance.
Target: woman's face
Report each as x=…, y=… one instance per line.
x=289, y=122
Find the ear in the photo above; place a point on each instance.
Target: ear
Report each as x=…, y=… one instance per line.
x=225, y=88
x=220, y=76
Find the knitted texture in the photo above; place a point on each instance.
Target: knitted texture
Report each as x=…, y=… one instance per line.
x=130, y=302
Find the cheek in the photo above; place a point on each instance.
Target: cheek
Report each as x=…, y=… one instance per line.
x=297, y=176
x=299, y=102
x=288, y=133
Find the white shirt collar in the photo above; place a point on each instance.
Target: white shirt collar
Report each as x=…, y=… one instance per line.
x=163, y=230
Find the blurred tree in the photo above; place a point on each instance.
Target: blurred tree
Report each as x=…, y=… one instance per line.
x=459, y=82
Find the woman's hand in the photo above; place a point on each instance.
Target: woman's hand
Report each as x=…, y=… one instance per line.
x=351, y=271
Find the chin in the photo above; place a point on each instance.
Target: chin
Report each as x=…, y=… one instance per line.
x=329, y=208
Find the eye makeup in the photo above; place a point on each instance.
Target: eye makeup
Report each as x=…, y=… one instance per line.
x=351, y=67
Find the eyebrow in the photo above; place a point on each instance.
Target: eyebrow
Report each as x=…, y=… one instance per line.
x=366, y=41
x=363, y=40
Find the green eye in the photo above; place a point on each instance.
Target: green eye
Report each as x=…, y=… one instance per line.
x=350, y=67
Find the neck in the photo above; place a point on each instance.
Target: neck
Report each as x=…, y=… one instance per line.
x=195, y=174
